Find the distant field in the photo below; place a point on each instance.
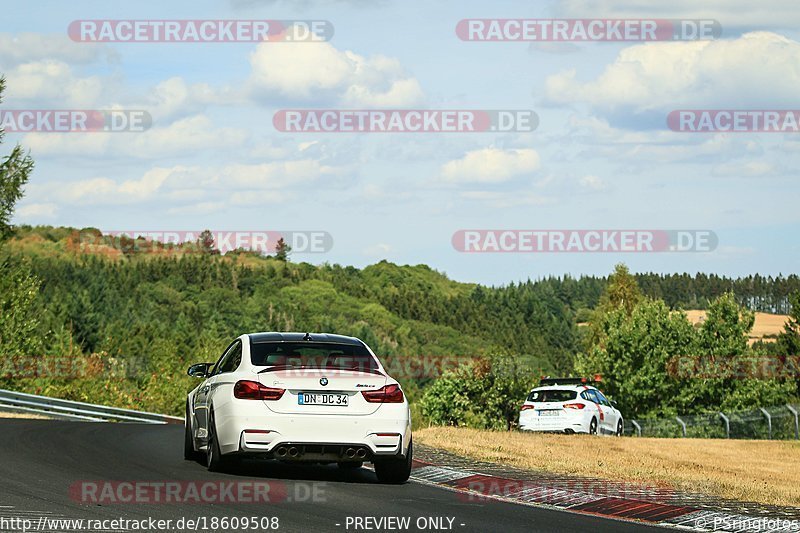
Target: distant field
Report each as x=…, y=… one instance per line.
x=766, y=324
x=757, y=471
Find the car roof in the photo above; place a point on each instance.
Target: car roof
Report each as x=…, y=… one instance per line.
x=275, y=336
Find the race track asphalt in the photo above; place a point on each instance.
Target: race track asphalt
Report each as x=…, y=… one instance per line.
x=46, y=467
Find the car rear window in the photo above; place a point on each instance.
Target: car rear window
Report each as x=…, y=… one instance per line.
x=552, y=395
x=321, y=355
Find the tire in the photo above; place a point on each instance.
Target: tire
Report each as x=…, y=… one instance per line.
x=189, y=452
x=395, y=470
x=350, y=465
x=593, y=426
x=619, y=428
x=215, y=461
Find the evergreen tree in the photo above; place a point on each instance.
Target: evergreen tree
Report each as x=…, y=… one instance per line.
x=282, y=250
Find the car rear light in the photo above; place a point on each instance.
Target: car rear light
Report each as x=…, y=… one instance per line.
x=525, y=407
x=260, y=431
x=387, y=434
x=574, y=406
x=252, y=390
x=386, y=394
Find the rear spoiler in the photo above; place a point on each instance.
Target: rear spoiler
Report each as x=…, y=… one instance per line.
x=570, y=381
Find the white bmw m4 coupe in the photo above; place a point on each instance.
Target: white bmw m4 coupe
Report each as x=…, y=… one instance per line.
x=311, y=397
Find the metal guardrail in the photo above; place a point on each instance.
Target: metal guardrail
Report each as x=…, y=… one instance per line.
x=777, y=422
x=70, y=410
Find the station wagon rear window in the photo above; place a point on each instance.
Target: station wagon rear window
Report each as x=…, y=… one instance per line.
x=552, y=395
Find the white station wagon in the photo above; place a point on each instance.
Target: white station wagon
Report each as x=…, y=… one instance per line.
x=569, y=405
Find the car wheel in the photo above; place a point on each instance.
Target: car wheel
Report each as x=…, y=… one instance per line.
x=215, y=461
x=619, y=428
x=189, y=452
x=593, y=426
x=350, y=465
x=395, y=470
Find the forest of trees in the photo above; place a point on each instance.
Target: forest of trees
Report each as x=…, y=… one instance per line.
x=144, y=317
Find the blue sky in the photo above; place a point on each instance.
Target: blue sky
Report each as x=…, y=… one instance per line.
x=601, y=158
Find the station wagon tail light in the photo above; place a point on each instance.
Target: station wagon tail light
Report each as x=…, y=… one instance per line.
x=252, y=390
x=525, y=407
x=386, y=394
x=574, y=406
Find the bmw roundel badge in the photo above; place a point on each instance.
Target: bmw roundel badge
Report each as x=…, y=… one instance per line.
x=323, y=381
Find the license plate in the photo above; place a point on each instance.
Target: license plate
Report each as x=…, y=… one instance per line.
x=318, y=398
x=549, y=412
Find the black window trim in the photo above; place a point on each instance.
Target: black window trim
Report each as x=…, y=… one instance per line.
x=225, y=354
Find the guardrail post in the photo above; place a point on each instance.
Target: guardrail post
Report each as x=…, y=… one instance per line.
x=727, y=424
x=637, y=426
x=683, y=425
x=769, y=422
x=796, y=426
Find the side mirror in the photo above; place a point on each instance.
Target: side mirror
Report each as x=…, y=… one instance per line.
x=613, y=402
x=200, y=370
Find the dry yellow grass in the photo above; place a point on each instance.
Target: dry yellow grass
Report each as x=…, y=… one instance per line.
x=4, y=414
x=766, y=324
x=757, y=471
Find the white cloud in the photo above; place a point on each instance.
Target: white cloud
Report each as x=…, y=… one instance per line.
x=771, y=13
x=321, y=72
x=598, y=139
x=106, y=191
x=201, y=208
x=174, y=97
x=660, y=77
x=553, y=47
x=745, y=169
x=593, y=183
x=491, y=165
x=378, y=250
x=505, y=200
x=188, y=135
x=52, y=82
x=259, y=197
x=186, y=186
x=279, y=174
x=32, y=47
x=35, y=211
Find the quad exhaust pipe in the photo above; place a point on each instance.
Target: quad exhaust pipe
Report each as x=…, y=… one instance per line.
x=282, y=452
